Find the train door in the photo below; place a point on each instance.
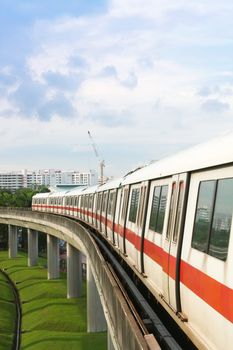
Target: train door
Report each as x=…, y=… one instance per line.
x=95, y=209
x=117, y=216
x=170, y=243
x=103, y=221
x=98, y=209
x=140, y=223
x=122, y=218
x=134, y=222
x=111, y=215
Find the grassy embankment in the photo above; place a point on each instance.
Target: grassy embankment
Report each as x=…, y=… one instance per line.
x=50, y=321
x=7, y=314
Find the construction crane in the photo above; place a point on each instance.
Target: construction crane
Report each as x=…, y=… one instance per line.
x=101, y=161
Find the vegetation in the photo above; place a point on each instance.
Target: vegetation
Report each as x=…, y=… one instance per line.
x=50, y=320
x=7, y=314
x=19, y=198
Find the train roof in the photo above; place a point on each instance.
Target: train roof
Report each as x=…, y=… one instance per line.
x=110, y=185
x=42, y=195
x=75, y=191
x=216, y=152
x=91, y=189
x=58, y=194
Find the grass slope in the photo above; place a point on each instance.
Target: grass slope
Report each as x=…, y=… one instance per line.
x=7, y=314
x=50, y=320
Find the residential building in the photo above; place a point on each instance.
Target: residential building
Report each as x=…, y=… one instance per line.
x=32, y=179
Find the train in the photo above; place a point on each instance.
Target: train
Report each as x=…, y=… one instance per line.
x=171, y=221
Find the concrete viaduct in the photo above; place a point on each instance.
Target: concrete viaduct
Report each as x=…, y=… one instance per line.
x=106, y=306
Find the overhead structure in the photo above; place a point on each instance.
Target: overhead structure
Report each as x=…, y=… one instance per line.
x=101, y=161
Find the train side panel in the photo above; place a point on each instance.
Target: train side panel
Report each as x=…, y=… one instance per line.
x=155, y=232
x=207, y=259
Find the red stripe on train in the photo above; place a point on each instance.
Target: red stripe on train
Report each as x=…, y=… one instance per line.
x=214, y=293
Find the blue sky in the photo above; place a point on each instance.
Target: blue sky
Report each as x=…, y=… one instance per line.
x=147, y=78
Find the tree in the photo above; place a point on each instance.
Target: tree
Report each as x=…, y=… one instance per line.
x=20, y=198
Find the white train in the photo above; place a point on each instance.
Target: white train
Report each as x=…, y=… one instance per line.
x=172, y=222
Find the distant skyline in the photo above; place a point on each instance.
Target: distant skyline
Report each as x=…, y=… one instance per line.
x=147, y=77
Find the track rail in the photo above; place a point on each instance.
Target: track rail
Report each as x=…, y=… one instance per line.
x=17, y=332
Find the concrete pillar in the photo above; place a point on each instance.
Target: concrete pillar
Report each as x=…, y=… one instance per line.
x=12, y=241
x=32, y=247
x=74, y=272
x=110, y=343
x=95, y=316
x=53, y=257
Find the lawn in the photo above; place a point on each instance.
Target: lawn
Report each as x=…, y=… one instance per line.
x=50, y=320
x=7, y=314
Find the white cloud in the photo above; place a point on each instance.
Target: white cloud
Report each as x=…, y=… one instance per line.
x=126, y=64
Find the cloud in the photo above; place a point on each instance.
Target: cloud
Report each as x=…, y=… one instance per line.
x=218, y=90
x=58, y=105
x=215, y=106
x=131, y=81
x=62, y=81
x=105, y=69
x=34, y=99
x=109, y=118
x=28, y=95
x=109, y=71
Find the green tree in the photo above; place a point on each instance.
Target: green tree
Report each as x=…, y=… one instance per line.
x=21, y=198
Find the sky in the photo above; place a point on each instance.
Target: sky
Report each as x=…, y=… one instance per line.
x=147, y=78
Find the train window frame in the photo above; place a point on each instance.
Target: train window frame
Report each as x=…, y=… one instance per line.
x=210, y=232
x=154, y=227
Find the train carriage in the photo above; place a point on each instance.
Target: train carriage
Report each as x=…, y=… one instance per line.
x=88, y=196
x=172, y=222
x=107, y=211
x=72, y=202
x=40, y=201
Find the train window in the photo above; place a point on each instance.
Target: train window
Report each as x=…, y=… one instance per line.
x=141, y=206
x=162, y=209
x=171, y=210
x=110, y=203
x=222, y=216
x=213, y=218
x=90, y=201
x=98, y=202
x=134, y=205
x=158, y=208
x=155, y=208
x=178, y=213
x=124, y=205
x=104, y=204
x=203, y=215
